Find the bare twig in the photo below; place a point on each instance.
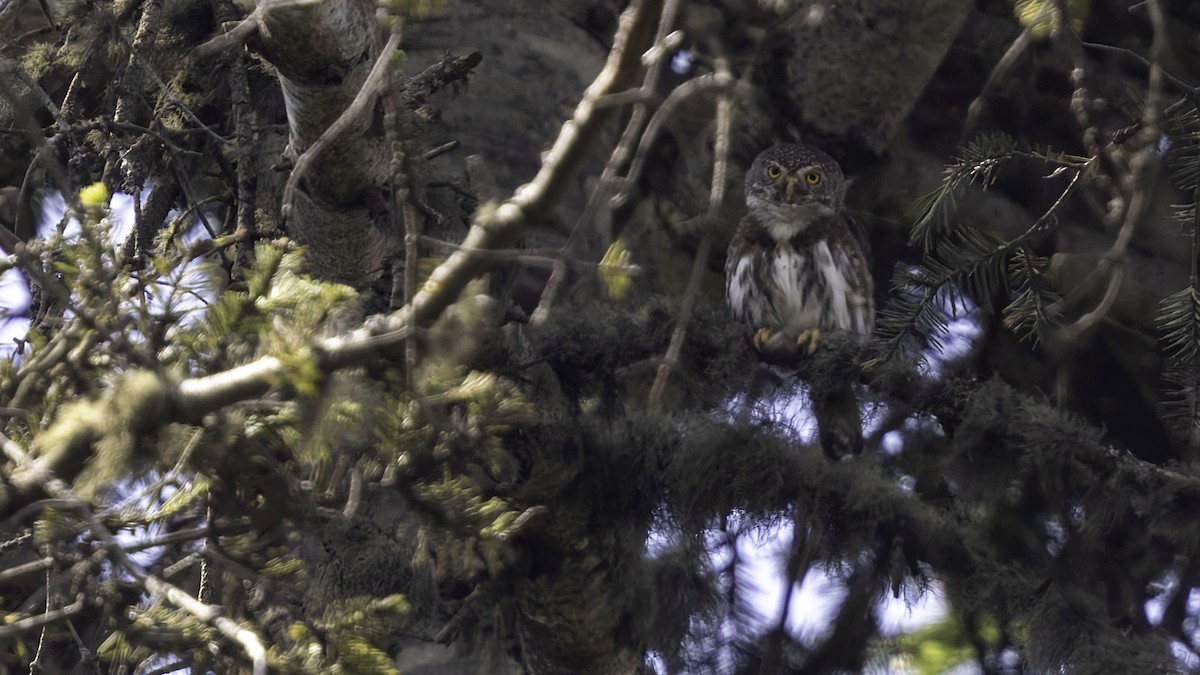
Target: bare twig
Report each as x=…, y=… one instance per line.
x=700, y=263
x=531, y=257
x=1178, y=82
x=245, y=120
x=49, y=616
x=400, y=179
x=238, y=33
x=1001, y=70
x=440, y=150
x=1047, y=218
x=169, y=538
x=621, y=154
x=1143, y=169
x=427, y=82
x=718, y=81
x=39, y=565
x=233, y=36
x=37, y=656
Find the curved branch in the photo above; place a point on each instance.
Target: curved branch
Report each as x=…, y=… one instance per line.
x=725, y=113
x=154, y=400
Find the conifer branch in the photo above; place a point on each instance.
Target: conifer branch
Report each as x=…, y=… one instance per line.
x=969, y=264
x=1031, y=314
x=213, y=615
x=157, y=400
x=977, y=161
x=1179, y=313
x=963, y=261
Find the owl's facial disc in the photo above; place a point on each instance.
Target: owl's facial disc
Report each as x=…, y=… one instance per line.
x=790, y=187
x=798, y=186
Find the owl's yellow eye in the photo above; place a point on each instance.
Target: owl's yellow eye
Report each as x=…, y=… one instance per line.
x=812, y=177
x=773, y=172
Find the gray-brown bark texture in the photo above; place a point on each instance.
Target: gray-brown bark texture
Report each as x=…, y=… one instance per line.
x=885, y=53
x=323, y=53
x=446, y=384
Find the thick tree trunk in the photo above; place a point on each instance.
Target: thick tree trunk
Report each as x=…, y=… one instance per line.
x=323, y=52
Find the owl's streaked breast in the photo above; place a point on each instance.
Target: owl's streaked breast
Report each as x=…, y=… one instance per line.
x=794, y=290
x=797, y=260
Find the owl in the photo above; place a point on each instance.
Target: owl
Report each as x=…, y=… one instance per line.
x=798, y=263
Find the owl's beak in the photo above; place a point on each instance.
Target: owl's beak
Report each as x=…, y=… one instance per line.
x=791, y=188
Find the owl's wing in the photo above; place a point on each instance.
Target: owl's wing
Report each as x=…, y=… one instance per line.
x=736, y=292
x=745, y=289
x=856, y=271
x=737, y=248
x=860, y=235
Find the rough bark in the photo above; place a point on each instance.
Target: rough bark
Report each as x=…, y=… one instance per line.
x=885, y=53
x=323, y=53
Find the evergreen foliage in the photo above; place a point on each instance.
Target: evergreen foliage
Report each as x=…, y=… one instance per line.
x=1179, y=316
x=219, y=457
x=967, y=266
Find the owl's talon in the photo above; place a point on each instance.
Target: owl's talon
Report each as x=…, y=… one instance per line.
x=809, y=339
x=760, y=338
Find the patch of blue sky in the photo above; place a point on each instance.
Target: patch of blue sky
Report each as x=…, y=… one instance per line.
x=182, y=295
x=962, y=332
x=1187, y=656
x=681, y=62
x=815, y=599
x=1165, y=590
x=14, y=307
x=811, y=604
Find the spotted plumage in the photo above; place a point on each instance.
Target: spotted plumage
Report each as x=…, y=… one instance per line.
x=797, y=260
x=798, y=264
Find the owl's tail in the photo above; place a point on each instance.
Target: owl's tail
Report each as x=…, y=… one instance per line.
x=839, y=422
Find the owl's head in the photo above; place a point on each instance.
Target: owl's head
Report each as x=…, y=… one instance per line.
x=795, y=181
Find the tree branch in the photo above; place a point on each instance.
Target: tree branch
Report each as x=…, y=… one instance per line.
x=210, y=614
x=1143, y=171
x=725, y=114
x=351, y=116
x=157, y=400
